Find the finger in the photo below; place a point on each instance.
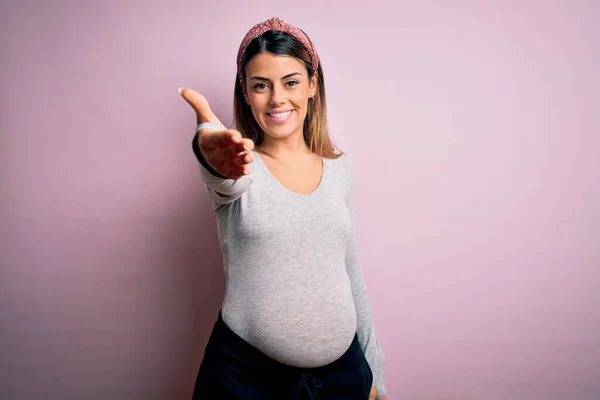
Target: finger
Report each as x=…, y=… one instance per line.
x=232, y=137
x=229, y=152
x=243, y=159
x=227, y=138
x=242, y=148
x=248, y=144
x=225, y=157
x=237, y=173
x=210, y=140
x=200, y=105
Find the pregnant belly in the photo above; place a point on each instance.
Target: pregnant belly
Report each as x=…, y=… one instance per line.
x=302, y=324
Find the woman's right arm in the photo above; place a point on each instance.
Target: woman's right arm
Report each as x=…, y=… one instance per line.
x=224, y=155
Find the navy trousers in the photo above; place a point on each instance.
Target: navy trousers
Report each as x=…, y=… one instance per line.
x=234, y=369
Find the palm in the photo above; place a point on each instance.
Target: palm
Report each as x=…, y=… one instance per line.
x=224, y=150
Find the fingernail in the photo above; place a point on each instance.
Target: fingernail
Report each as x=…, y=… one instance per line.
x=180, y=90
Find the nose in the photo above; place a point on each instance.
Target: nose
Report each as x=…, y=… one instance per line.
x=277, y=96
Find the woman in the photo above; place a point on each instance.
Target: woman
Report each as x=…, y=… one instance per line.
x=295, y=321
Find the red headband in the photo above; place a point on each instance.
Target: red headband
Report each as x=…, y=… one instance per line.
x=276, y=24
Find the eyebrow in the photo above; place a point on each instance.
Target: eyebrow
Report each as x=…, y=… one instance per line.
x=260, y=78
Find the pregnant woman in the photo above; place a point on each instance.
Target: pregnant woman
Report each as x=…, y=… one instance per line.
x=295, y=322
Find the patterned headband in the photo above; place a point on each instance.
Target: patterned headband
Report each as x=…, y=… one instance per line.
x=276, y=24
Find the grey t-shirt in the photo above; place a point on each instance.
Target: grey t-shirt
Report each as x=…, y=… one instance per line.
x=294, y=287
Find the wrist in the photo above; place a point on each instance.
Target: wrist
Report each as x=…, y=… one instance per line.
x=202, y=160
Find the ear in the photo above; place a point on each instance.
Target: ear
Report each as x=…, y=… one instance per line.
x=312, y=86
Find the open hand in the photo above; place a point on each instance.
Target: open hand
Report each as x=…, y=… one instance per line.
x=226, y=151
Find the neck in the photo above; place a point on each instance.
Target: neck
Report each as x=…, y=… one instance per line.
x=284, y=148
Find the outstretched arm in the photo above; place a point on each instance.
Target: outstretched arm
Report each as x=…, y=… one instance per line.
x=223, y=153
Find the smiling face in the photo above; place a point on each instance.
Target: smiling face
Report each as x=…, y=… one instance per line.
x=278, y=89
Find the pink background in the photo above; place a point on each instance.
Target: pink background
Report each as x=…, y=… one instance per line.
x=475, y=131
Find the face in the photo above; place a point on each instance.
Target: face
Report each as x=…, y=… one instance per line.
x=278, y=89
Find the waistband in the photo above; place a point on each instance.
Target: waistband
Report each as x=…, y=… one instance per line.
x=241, y=348
x=307, y=379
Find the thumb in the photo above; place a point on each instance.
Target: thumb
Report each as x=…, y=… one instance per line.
x=200, y=105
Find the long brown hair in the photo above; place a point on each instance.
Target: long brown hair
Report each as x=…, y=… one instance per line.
x=316, y=130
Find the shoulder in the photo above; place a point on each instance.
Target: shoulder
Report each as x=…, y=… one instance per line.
x=341, y=169
x=343, y=163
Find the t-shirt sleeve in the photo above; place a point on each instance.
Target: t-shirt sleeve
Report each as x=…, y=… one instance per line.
x=221, y=189
x=366, y=330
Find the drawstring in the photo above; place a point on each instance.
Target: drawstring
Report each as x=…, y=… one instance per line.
x=309, y=386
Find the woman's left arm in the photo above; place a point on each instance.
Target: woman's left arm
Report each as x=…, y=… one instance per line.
x=365, y=327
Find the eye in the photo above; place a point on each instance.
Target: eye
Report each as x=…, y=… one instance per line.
x=260, y=86
x=292, y=83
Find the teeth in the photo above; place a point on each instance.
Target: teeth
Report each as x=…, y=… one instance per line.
x=280, y=115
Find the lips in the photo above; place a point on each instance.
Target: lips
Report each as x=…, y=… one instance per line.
x=281, y=116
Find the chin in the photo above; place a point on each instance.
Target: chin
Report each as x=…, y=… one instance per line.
x=281, y=131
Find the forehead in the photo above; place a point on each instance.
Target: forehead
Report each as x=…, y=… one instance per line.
x=265, y=64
